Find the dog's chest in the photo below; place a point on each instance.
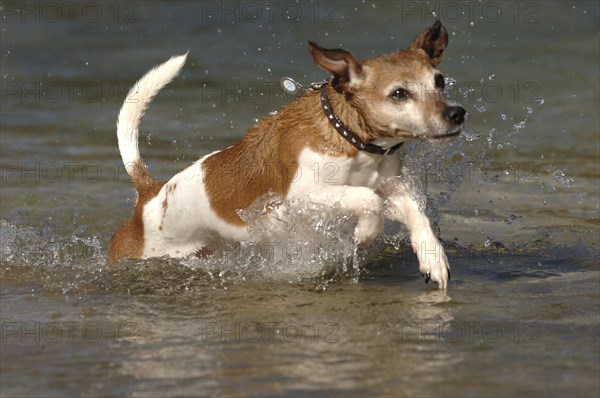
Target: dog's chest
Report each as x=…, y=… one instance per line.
x=365, y=170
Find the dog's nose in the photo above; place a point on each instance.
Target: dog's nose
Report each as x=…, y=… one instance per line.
x=455, y=114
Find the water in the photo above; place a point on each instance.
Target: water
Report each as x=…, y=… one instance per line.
x=515, y=200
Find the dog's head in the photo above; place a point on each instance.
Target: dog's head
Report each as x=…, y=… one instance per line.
x=399, y=95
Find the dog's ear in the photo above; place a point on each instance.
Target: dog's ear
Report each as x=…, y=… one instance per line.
x=346, y=70
x=433, y=41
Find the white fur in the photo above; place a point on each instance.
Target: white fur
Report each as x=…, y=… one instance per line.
x=135, y=105
x=403, y=207
x=352, y=187
x=178, y=229
x=349, y=183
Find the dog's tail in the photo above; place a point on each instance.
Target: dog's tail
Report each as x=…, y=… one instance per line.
x=137, y=101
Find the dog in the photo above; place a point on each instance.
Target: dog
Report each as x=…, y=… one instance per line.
x=357, y=120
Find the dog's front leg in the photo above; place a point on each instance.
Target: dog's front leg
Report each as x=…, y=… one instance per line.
x=360, y=201
x=433, y=263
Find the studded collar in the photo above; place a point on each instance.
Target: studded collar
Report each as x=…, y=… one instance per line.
x=347, y=133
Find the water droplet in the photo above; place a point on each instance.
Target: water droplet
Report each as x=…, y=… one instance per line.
x=472, y=137
x=560, y=176
x=520, y=125
x=492, y=76
x=504, y=116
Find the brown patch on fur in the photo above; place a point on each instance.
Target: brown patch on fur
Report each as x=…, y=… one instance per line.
x=128, y=240
x=170, y=188
x=267, y=157
x=165, y=204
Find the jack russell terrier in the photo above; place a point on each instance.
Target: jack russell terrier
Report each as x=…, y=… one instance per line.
x=357, y=120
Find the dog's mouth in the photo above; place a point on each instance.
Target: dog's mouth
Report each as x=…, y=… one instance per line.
x=432, y=138
x=451, y=135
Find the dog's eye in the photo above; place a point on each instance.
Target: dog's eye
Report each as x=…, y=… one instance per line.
x=399, y=94
x=440, y=82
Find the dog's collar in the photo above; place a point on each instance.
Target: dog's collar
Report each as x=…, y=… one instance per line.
x=348, y=134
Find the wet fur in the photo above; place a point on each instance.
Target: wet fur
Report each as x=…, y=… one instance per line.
x=201, y=203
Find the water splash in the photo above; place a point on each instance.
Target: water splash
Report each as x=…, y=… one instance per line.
x=560, y=176
x=299, y=240
x=28, y=246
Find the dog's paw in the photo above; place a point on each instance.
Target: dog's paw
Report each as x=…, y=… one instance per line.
x=433, y=263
